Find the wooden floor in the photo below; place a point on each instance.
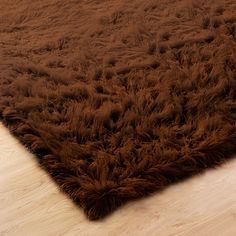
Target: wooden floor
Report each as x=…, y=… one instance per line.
x=31, y=205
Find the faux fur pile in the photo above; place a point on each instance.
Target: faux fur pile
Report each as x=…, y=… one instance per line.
x=118, y=99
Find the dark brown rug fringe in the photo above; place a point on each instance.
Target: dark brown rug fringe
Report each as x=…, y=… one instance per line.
x=125, y=103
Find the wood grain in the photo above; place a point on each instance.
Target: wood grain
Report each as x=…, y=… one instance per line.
x=31, y=204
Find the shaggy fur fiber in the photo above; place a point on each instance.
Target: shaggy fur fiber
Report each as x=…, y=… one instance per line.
x=116, y=98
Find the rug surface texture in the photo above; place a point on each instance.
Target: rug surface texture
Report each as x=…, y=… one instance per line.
x=118, y=99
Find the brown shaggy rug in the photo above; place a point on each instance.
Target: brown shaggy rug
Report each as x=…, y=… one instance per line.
x=116, y=98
